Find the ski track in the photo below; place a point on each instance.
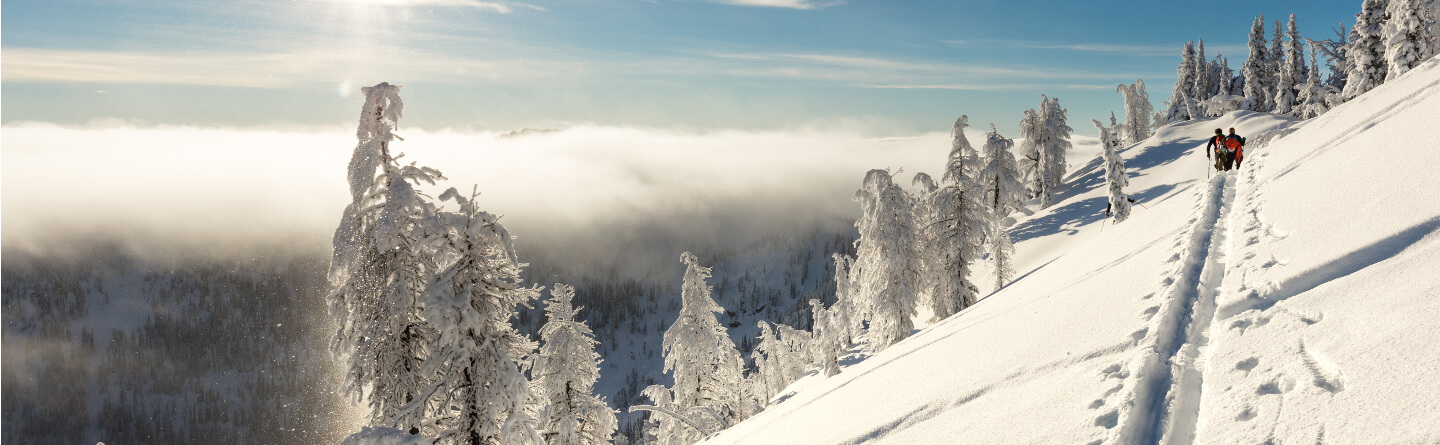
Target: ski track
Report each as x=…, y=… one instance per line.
x=1163, y=401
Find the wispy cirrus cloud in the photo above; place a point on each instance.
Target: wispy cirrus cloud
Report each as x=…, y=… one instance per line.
x=1165, y=50
x=498, y=7
x=790, y=4
x=263, y=69
x=874, y=72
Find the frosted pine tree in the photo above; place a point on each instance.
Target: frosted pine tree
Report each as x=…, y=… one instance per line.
x=845, y=319
x=1257, y=69
x=1046, y=138
x=927, y=235
x=886, y=266
x=1184, y=91
x=797, y=351
x=957, y=229
x=481, y=391
x=1368, y=66
x=703, y=363
x=1292, y=74
x=1404, y=36
x=379, y=267
x=1029, y=160
x=826, y=345
x=1115, y=178
x=1137, y=112
x=1004, y=194
x=1052, y=137
x=767, y=358
x=1225, y=82
x=565, y=372
x=1314, y=97
x=1203, y=79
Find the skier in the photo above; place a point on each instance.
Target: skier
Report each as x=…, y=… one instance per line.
x=1217, y=145
x=1236, y=145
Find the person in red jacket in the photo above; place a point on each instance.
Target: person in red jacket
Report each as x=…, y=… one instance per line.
x=1238, y=144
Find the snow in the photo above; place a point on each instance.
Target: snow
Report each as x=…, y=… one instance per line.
x=384, y=436
x=1290, y=301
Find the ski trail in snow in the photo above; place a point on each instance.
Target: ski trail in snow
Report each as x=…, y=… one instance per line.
x=1188, y=365
x=1165, y=400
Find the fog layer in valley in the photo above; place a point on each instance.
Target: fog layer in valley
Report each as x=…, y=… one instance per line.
x=582, y=192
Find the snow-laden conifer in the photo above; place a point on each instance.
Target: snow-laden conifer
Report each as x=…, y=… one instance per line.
x=826, y=345
x=1257, y=69
x=565, y=372
x=1047, y=138
x=379, y=267
x=1292, y=73
x=1204, y=81
x=1003, y=194
x=845, y=319
x=1315, y=96
x=782, y=356
x=480, y=395
x=703, y=362
x=1137, y=112
x=956, y=229
x=1115, y=178
x=1368, y=67
x=1404, y=36
x=1184, y=90
x=886, y=266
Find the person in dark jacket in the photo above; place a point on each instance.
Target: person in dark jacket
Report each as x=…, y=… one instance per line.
x=1217, y=146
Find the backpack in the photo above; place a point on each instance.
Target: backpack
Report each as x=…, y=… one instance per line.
x=1233, y=142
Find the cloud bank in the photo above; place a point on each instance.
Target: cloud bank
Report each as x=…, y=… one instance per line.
x=586, y=191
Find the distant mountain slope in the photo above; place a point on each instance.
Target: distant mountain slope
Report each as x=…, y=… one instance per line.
x=1293, y=300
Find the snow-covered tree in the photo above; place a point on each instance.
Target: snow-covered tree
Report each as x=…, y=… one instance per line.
x=1047, y=138
x=1292, y=73
x=1368, y=66
x=954, y=230
x=1314, y=97
x=886, y=266
x=826, y=345
x=1137, y=111
x=1115, y=178
x=1184, y=90
x=1405, y=36
x=379, y=267
x=1257, y=69
x=565, y=372
x=1203, y=80
x=480, y=395
x=846, y=321
x=703, y=362
x=1004, y=194
x=782, y=356
x=1225, y=83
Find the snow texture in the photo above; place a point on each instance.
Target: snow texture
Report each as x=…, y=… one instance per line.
x=1274, y=311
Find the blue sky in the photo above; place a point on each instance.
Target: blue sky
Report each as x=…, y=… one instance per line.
x=892, y=67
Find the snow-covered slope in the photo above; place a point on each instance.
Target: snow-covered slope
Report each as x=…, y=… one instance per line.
x=1291, y=301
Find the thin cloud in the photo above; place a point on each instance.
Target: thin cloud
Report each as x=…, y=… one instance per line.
x=501, y=8
x=789, y=4
x=995, y=87
x=1166, y=50
x=871, y=71
x=262, y=70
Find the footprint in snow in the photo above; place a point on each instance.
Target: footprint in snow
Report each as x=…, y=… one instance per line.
x=1247, y=364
